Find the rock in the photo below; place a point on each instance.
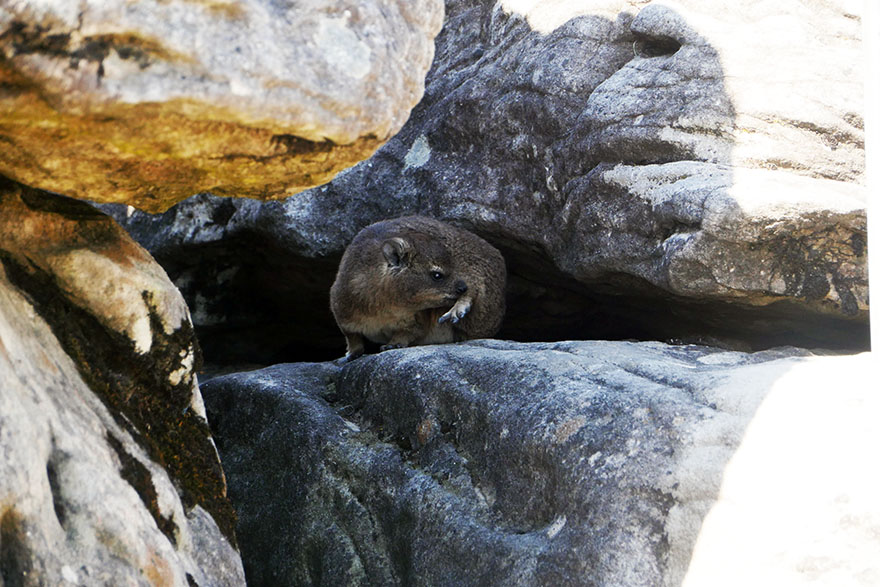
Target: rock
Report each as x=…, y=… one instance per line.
x=149, y=103
x=109, y=475
x=637, y=169
x=648, y=170
x=570, y=463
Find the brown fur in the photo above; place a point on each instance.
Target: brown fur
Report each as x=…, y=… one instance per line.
x=401, y=282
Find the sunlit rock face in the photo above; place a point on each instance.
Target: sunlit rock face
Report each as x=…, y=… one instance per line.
x=150, y=102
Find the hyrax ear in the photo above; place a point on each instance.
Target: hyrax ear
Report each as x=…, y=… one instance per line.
x=396, y=251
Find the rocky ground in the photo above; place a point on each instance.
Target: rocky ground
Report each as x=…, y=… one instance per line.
x=575, y=463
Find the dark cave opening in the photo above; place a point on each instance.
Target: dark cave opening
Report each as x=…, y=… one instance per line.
x=254, y=303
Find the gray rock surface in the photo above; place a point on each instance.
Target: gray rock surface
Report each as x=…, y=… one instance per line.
x=571, y=463
x=109, y=475
x=151, y=102
x=649, y=171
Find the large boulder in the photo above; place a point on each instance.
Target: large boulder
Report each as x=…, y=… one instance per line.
x=571, y=463
x=691, y=172
x=109, y=473
x=149, y=102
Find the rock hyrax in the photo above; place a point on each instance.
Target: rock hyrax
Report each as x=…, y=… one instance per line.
x=416, y=280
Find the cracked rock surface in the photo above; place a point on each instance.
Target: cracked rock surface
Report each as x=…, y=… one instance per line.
x=571, y=463
x=149, y=102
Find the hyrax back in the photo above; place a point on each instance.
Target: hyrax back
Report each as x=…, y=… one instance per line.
x=415, y=280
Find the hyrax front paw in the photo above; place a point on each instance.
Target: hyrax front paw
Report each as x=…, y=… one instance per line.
x=456, y=312
x=391, y=346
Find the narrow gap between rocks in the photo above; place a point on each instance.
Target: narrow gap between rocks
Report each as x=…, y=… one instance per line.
x=52, y=466
x=275, y=308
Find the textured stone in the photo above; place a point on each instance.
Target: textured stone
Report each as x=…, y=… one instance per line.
x=571, y=463
x=109, y=474
x=683, y=172
x=150, y=102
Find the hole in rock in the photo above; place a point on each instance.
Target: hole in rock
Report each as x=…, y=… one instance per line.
x=647, y=47
x=55, y=487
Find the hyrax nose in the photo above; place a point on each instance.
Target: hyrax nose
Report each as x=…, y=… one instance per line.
x=460, y=287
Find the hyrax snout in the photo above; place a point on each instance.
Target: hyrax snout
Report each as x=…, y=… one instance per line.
x=416, y=280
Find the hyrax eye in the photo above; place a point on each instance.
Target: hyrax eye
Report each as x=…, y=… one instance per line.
x=436, y=275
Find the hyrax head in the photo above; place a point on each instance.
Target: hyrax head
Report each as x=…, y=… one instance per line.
x=418, y=270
